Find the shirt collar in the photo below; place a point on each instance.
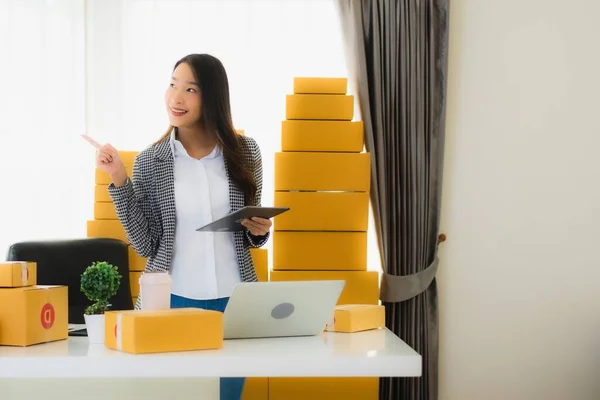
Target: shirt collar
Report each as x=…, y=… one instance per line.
x=178, y=149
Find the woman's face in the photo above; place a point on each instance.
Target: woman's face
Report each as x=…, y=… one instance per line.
x=183, y=100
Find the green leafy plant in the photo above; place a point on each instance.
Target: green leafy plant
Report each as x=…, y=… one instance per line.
x=100, y=282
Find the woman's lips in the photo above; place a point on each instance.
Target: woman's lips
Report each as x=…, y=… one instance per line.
x=177, y=112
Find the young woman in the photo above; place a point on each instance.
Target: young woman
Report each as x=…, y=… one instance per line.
x=200, y=170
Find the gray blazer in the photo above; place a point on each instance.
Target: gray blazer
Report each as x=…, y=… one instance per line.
x=145, y=205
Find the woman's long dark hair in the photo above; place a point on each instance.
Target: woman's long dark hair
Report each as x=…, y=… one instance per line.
x=216, y=117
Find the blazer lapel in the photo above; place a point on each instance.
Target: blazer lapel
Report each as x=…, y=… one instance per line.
x=236, y=196
x=165, y=186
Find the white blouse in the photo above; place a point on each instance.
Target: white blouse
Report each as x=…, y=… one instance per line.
x=204, y=264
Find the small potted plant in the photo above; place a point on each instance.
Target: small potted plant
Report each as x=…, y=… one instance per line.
x=99, y=282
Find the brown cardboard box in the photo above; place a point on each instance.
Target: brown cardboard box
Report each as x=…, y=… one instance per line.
x=261, y=263
x=326, y=136
x=322, y=211
x=33, y=314
x=323, y=388
x=319, y=106
x=134, y=283
x=17, y=274
x=323, y=171
x=339, y=251
x=350, y=318
x=256, y=389
x=101, y=194
x=106, y=229
x=102, y=178
x=362, y=287
x=181, y=329
x=136, y=262
x=128, y=158
x=317, y=85
x=105, y=210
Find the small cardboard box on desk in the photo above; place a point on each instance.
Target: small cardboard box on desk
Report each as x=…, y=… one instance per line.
x=30, y=314
x=159, y=331
x=17, y=274
x=350, y=318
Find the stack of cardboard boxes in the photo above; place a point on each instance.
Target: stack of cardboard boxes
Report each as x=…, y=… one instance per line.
x=324, y=177
x=106, y=224
x=30, y=314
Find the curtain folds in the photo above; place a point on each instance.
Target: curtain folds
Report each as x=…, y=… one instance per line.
x=397, y=58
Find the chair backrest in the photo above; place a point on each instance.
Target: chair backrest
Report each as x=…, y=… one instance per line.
x=61, y=262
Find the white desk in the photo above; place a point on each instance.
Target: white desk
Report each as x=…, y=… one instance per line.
x=373, y=353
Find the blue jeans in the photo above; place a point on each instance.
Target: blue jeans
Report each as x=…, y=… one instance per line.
x=230, y=388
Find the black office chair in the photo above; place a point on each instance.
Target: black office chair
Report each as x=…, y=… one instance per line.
x=61, y=262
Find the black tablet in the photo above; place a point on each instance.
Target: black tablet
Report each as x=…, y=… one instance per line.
x=232, y=222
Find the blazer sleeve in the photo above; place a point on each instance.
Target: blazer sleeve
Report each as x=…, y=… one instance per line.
x=134, y=208
x=256, y=241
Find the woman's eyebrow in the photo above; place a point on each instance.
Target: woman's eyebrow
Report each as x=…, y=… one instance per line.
x=189, y=82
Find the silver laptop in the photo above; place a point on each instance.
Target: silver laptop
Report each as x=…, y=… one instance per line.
x=280, y=309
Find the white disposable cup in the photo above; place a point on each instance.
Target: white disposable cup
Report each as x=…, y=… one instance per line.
x=155, y=290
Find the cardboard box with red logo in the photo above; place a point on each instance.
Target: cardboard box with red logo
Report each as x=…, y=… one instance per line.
x=17, y=274
x=180, y=329
x=32, y=315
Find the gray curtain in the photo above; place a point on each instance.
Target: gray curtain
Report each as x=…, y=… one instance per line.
x=397, y=56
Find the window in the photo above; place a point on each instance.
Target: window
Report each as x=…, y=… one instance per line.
x=111, y=85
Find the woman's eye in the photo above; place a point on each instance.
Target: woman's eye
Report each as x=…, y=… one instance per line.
x=171, y=85
x=192, y=90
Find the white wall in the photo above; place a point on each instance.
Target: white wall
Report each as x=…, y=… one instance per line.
x=520, y=279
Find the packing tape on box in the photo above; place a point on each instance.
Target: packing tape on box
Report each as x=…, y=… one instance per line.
x=331, y=324
x=119, y=332
x=24, y=274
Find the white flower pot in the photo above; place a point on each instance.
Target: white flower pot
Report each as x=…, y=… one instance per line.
x=95, y=328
